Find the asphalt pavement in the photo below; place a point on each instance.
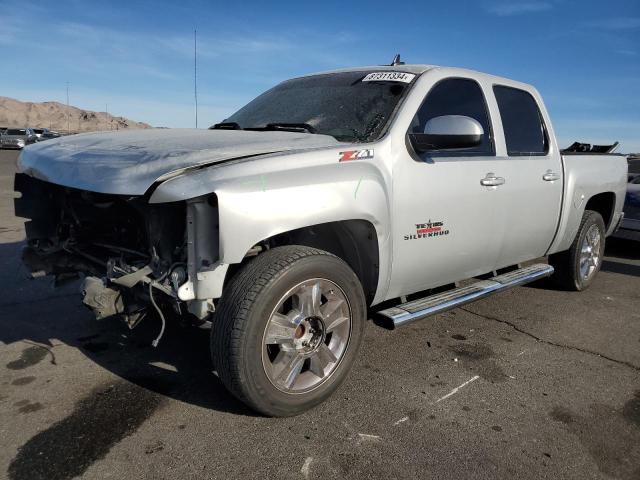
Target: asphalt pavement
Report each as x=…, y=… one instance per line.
x=531, y=383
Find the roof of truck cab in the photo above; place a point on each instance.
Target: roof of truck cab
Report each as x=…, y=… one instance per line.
x=417, y=69
x=420, y=69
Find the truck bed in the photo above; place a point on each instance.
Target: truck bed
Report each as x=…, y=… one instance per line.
x=585, y=178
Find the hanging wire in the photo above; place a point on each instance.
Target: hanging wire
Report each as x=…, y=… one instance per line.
x=155, y=305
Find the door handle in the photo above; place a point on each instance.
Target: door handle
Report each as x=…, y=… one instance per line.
x=491, y=180
x=550, y=176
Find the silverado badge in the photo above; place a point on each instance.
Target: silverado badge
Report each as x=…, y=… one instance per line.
x=428, y=230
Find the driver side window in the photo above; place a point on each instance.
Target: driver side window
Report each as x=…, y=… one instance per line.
x=457, y=96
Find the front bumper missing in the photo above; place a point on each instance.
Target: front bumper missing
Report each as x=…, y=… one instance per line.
x=103, y=301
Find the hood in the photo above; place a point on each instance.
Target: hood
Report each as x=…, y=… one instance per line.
x=129, y=162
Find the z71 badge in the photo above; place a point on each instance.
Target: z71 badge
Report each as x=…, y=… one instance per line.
x=428, y=230
x=355, y=155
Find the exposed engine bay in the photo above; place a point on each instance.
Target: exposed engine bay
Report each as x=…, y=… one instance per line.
x=132, y=254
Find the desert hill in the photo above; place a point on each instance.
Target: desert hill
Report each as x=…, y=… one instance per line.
x=53, y=115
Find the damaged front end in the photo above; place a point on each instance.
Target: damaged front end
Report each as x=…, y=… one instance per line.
x=133, y=255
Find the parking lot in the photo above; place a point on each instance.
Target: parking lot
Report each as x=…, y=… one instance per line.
x=532, y=383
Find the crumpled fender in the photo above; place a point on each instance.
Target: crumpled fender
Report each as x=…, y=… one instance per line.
x=254, y=206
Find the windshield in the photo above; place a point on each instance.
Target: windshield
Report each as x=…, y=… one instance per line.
x=341, y=105
x=16, y=131
x=38, y=130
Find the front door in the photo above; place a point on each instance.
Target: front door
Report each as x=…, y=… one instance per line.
x=445, y=220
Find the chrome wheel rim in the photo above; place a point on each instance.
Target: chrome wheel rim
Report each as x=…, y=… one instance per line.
x=306, y=336
x=590, y=252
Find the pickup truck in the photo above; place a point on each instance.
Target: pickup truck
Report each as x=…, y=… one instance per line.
x=320, y=199
x=630, y=226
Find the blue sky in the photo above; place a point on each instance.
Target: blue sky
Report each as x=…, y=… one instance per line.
x=137, y=57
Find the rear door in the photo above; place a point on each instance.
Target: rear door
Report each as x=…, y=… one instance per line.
x=532, y=192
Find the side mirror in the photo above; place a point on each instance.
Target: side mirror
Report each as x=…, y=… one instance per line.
x=448, y=132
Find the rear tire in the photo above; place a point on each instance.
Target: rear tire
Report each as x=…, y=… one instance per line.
x=288, y=329
x=576, y=268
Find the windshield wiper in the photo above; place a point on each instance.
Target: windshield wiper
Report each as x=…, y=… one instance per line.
x=287, y=127
x=226, y=126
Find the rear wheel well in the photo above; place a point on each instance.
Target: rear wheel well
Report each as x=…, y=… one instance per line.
x=603, y=203
x=354, y=241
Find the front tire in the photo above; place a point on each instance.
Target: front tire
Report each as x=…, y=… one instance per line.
x=288, y=329
x=576, y=268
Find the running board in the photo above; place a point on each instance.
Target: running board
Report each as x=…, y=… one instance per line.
x=441, y=302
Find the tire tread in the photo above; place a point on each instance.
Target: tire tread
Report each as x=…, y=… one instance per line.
x=231, y=319
x=564, y=263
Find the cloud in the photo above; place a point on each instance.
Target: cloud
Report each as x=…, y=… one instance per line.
x=9, y=34
x=615, y=23
x=12, y=28
x=96, y=48
x=212, y=47
x=146, y=76
x=518, y=8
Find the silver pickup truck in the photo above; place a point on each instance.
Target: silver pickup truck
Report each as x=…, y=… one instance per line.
x=326, y=195
x=17, y=138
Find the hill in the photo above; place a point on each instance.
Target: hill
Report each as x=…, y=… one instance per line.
x=53, y=115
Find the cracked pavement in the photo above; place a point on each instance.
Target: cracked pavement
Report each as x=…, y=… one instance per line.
x=531, y=383
x=550, y=342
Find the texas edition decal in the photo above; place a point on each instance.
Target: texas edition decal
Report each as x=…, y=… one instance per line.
x=428, y=230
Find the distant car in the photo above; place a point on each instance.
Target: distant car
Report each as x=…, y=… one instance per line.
x=630, y=227
x=48, y=135
x=39, y=132
x=17, y=138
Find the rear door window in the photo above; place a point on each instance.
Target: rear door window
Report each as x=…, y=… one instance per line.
x=522, y=122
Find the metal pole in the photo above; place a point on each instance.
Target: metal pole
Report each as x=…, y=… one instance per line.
x=68, y=121
x=195, y=71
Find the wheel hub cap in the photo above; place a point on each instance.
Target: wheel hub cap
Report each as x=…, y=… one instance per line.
x=299, y=331
x=590, y=252
x=306, y=336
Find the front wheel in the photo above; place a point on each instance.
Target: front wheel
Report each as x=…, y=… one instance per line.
x=576, y=268
x=288, y=328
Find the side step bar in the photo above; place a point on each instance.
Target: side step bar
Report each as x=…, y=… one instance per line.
x=441, y=302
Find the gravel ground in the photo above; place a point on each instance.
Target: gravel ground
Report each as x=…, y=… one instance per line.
x=531, y=383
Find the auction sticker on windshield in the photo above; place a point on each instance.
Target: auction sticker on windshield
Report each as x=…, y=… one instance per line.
x=389, y=77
